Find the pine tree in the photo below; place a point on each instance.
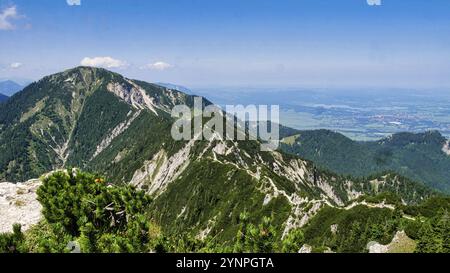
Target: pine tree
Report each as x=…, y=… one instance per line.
x=103, y=217
x=293, y=241
x=12, y=242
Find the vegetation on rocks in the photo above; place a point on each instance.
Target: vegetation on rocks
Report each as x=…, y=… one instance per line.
x=84, y=210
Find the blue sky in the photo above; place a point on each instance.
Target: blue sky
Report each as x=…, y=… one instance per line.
x=401, y=43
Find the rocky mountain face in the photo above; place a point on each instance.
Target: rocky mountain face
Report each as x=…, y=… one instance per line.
x=72, y=117
x=102, y=122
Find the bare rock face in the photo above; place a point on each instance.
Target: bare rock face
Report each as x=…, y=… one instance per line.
x=305, y=249
x=446, y=148
x=18, y=204
x=401, y=243
x=375, y=247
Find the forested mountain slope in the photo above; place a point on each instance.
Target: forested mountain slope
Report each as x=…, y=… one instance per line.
x=423, y=157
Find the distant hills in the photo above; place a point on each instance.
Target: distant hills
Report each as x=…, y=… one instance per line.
x=9, y=87
x=421, y=157
x=175, y=87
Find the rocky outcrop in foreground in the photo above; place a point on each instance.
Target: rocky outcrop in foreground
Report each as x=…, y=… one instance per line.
x=401, y=243
x=18, y=204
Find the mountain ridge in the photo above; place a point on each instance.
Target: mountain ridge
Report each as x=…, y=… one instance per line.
x=418, y=156
x=119, y=128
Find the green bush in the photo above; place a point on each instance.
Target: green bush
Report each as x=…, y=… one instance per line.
x=255, y=239
x=102, y=218
x=434, y=234
x=12, y=242
x=293, y=241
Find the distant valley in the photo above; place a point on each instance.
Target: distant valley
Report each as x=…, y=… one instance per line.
x=360, y=114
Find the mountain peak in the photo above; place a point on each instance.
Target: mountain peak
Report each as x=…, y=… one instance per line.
x=60, y=110
x=81, y=69
x=9, y=87
x=406, y=138
x=9, y=82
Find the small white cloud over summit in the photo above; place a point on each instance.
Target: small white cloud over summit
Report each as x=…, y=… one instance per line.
x=73, y=2
x=374, y=2
x=105, y=62
x=15, y=65
x=157, y=66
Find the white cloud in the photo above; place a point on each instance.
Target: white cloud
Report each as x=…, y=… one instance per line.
x=15, y=65
x=374, y=2
x=6, y=15
x=157, y=66
x=106, y=62
x=73, y=2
